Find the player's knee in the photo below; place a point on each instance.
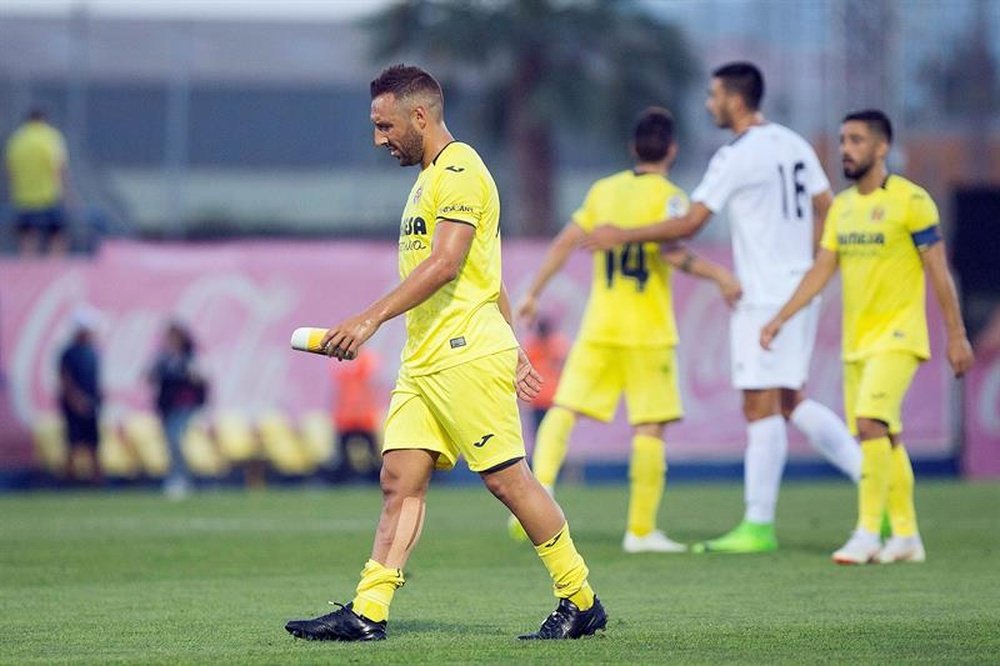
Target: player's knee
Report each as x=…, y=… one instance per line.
x=871, y=429
x=760, y=404
x=509, y=482
x=649, y=430
x=397, y=484
x=789, y=401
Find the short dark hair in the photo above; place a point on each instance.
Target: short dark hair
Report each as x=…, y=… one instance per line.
x=654, y=132
x=876, y=120
x=744, y=79
x=405, y=81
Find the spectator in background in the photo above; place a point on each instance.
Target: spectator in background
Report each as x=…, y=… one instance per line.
x=355, y=410
x=546, y=349
x=80, y=396
x=36, y=161
x=180, y=391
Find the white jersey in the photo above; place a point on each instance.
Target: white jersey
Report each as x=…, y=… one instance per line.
x=767, y=177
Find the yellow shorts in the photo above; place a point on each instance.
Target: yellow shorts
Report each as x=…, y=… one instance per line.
x=874, y=388
x=467, y=410
x=595, y=376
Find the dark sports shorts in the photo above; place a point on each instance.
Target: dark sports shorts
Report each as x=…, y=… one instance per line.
x=81, y=430
x=50, y=220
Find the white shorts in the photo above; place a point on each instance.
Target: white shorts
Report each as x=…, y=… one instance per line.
x=787, y=363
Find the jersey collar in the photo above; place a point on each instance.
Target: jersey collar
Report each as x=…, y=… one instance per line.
x=443, y=148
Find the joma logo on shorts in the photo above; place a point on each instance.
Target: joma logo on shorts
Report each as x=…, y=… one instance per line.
x=482, y=442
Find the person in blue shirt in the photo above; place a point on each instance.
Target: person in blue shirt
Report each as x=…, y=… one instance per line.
x=80, y=397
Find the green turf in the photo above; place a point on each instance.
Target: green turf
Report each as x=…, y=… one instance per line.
x=130, y=577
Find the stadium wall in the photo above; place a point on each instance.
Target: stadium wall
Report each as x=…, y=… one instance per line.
x=244, y=298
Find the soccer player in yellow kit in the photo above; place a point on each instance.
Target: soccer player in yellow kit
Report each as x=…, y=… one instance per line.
x=883, y=233
x=461, y=366
x=628, y=335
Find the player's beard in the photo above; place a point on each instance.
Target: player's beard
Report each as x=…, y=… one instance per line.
x=858, y=170
x=722, y=119
x=410, y=148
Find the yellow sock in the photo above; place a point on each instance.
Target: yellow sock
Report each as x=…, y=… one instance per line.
x=647, y=476
x=567, y=568
x=873, y=488
x=550, y=445
x=902, y=513
x=374, y=593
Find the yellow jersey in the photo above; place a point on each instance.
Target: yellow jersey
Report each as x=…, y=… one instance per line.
x=877, y=238
x=36, y=155
x=630, y=300
x=462, y=320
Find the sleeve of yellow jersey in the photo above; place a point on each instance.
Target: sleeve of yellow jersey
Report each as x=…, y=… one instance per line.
x=585, y=216
x=459, y=193
x=922, y=219
x=829, y=239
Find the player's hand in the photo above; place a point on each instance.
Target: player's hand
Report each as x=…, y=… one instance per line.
x=730, y=287
x=527, y=380
x=768, y=333
x=343, y=341
x=603, y=238
x=526, y=310
x=960, y=355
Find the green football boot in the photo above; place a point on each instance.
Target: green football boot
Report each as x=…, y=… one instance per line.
x=747, y=537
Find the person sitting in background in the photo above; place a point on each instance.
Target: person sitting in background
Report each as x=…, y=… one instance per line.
x=546, y=349
x=355, y=411
x=180, y=391
x=80, y=396
x=36, y=160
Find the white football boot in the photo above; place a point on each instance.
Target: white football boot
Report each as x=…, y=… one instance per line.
x=654, y=542
x=902, y=549
x=863, y=547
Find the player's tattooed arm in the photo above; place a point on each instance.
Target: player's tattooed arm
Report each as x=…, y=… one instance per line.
x=607, y=236
x=682, y=258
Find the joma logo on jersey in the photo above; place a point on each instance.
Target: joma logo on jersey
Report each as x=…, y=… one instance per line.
x=859, y=238
x=878, y=214
x=413, y=226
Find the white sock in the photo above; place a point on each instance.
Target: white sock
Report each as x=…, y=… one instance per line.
x=828, y=435
x=763, y=464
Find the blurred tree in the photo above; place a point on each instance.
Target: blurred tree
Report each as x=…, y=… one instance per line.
x=545, y=64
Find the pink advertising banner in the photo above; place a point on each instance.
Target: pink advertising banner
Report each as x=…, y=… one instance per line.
x=981, y=454
x=243, y=299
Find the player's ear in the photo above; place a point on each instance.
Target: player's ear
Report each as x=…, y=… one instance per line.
x=882, y=148
x=672, y=152
x=419, y=116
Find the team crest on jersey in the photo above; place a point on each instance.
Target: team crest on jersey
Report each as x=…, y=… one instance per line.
x=878, y=214
x=416, y=195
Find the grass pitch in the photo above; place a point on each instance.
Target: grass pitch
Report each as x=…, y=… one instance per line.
x=129, y=577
